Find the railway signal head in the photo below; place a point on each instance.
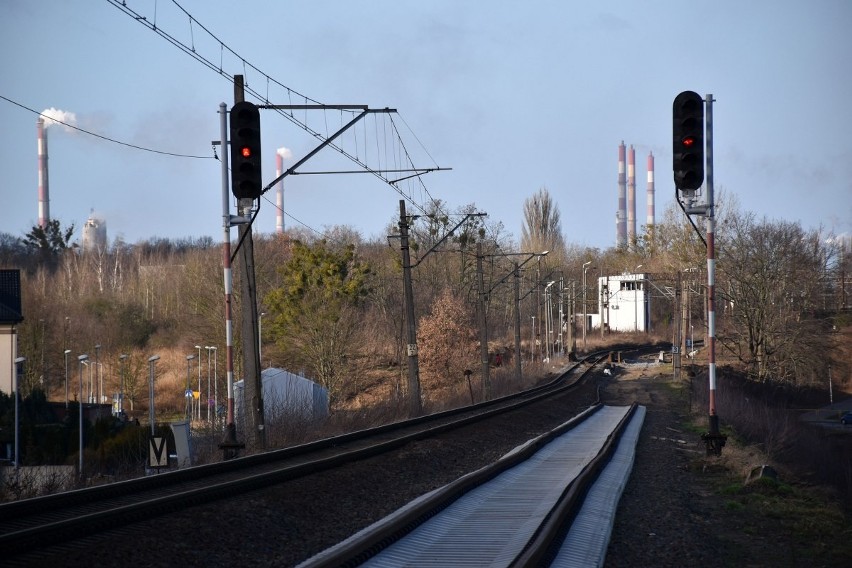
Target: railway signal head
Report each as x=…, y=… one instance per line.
x=246, y=180
x=688, y=140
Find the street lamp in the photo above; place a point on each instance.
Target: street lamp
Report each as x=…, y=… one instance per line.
x=199, y=380
x=88, y=365
x=82, y=359
x=260, y=338
x=691, y=340
x=215, y=383
x=121, y=358
x=585, y=317
x=188, y=393
x=67, y=351
x=100, y=385
x=19, y=369
x=548, y=304
x=209, y=400
x=152, y=361
x=532, y=345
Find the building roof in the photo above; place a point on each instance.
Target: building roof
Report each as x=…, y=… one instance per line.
x=10, y=296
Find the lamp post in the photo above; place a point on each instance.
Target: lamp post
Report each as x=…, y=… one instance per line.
x=691, y=338
x=260, y=338
x=122, y=358
x=188, y=393
x=99, y=375
x=585, y=317
x=100, y=386
x=82, y=359
x=199, y=380
x=532, y=344
x=215, y=383
x=209, y=400
x=152, y=361
x=88, y=365
x=19, y=370
x=548, y=305
x=67, y=351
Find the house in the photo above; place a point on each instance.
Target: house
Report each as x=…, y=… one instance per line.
x=10, y=317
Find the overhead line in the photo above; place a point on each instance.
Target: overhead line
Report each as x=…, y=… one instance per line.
x=107, y=138
x=191, y=50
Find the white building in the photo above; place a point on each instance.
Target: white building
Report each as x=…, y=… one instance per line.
x=625, y=304
x=94, y=234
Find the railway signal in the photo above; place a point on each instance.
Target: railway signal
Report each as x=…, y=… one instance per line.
x=688, y=140
x=246, y=181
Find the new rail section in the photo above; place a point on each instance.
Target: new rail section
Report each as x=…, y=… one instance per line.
x=516, y=512
x=27, y=524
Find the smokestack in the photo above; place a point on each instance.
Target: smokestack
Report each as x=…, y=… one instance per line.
x=43, y=190
x=620, y=215
x=280, y=155
x=650, y=220
x=631, y=196
x=279, y=195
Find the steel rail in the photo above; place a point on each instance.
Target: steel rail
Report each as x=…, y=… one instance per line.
x=70, y=515
x=538, y=551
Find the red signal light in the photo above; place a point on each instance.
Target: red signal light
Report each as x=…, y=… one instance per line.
x=688, y=141
x=245, y=151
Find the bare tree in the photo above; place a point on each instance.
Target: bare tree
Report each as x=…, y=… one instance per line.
x=542, y=229
x=769, y=290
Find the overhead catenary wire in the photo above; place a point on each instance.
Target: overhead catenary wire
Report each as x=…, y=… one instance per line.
x=192, y=49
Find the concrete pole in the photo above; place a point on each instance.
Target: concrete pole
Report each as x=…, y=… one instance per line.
x=483, y=329
x=517, y=323
x=415, y=407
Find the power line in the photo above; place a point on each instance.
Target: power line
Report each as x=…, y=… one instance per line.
x=192, y=48
x=107, y=138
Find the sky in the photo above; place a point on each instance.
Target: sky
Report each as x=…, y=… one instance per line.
x=511, y=97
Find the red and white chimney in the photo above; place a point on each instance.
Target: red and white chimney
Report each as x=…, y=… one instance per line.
x=650, y=220
x=621, y=213
x=43, y=189
x=631, y=196
x=279, y=195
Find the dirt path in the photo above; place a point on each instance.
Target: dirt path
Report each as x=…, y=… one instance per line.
x=682, y=508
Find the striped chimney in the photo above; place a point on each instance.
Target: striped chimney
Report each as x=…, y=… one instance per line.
x=650, y=219
x=620, y=215
x=43, y=189
x=631, y=196
x=279, y=195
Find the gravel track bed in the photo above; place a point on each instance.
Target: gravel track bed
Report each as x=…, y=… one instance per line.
x=665, y=517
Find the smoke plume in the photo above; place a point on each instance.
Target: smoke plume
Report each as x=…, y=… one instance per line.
x=285, y=153
x=55, y=116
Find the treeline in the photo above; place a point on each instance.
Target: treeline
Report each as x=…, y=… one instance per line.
x=333, y=303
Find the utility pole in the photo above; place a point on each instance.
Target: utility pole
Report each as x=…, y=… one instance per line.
x=517, y=306
x=572, y=336
x=415, y=406
x=483, y=323
x=676, y=340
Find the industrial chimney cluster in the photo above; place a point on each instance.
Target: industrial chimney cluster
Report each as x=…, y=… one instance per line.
x=625, y=217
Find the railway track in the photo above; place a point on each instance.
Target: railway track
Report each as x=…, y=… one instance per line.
x=520, y=511
x=27, y=525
